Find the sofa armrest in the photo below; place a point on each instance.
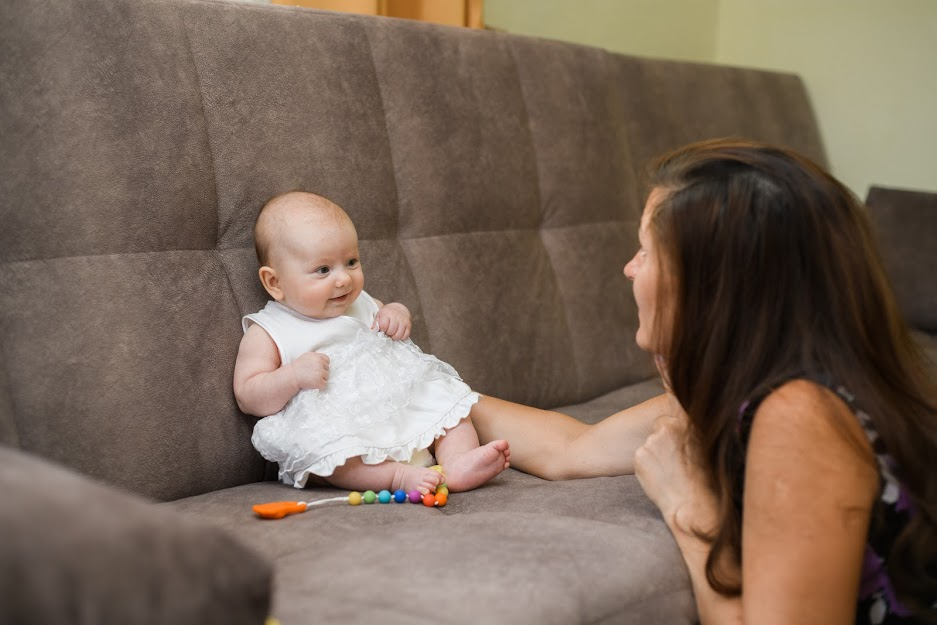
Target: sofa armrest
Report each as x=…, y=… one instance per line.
x=75, y=551
x=906, y=226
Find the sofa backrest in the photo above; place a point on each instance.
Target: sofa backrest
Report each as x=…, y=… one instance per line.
x=495, y=182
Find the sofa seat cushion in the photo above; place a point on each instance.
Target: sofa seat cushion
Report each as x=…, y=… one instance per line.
x=75, y=551
x=517, y=550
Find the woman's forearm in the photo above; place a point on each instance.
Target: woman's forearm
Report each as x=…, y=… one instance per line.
x=538, y=438
x=556, y=446
x=713, y=608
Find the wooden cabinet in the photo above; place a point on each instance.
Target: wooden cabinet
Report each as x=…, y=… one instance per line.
x=451, y=12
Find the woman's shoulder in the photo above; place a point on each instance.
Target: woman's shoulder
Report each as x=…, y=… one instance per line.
x=810, y=417
x=803, y=403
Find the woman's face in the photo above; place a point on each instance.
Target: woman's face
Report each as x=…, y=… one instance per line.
x=644, y=272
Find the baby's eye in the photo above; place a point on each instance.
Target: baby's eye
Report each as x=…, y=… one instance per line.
x=322, y=271
x=353, y=262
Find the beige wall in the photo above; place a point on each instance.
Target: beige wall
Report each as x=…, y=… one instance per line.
x=681, y=29
x=870, y=65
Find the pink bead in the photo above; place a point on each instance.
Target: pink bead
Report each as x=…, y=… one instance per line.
x=415, y=496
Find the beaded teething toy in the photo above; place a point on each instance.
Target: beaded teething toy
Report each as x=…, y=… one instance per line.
x=280, y=509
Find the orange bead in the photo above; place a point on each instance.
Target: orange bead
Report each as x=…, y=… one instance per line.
x=429, y=500
x=442, y=498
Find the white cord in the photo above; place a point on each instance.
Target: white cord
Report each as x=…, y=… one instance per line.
x=322, y=501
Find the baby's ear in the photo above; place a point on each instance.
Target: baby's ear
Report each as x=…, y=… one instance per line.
x=268, y=278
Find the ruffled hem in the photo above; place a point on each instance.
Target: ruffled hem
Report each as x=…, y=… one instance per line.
x=325, y=466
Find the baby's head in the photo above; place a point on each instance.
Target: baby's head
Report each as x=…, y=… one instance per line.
x=308, y=251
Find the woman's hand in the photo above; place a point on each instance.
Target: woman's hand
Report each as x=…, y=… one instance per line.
x=393, y=320
x=668, y=468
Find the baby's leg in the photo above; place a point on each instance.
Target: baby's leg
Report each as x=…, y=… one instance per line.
x=467, y=465
x=390, y=475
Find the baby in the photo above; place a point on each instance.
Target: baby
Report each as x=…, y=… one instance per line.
x=351, y=399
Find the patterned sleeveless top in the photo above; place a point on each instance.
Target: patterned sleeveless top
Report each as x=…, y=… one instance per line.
x=877, y=603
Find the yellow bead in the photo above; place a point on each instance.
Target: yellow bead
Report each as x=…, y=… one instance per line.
x=354, y=498
x=437, y=468
x=442, y=489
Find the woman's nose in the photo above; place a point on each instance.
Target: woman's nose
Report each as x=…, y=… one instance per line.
x=629, y=269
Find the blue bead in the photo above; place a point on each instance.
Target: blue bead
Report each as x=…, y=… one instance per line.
x=384, y=496
x=400, y=496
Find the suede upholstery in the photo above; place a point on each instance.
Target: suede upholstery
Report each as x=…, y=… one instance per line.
x=79, y=552
x=906, y=226
x=495, y=182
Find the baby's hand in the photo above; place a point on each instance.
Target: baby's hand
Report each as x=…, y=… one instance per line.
x=394, y=321
x=311, y=370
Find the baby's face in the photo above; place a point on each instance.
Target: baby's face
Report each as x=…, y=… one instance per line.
x=318, y=269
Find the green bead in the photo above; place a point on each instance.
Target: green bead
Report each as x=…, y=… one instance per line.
x=369, y=496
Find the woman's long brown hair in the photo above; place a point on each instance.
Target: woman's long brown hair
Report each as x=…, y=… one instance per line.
x=774, y=274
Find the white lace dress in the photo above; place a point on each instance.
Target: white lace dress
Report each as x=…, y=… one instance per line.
x=385, y=399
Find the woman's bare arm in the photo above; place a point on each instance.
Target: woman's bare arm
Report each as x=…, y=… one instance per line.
x=809, y=489
x=810, y=484
x=556, y=446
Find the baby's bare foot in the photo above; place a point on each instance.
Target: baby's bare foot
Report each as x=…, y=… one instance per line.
x=411, y=478
x=471, y=469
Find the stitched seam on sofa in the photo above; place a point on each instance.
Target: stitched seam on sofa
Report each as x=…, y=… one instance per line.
x=9, y=387
x=201, y=101
x=518, y=230
x=393, y=168
x=52, y=259
x=625, y=142
x=530, y=133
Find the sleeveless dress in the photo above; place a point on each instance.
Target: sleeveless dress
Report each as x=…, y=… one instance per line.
x=385, y=399
x=877, y=602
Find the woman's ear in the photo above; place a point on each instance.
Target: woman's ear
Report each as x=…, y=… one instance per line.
x=268, y=278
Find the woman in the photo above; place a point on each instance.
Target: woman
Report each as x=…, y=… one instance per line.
x=796, y=395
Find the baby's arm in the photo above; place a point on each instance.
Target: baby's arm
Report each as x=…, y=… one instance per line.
x=393, y=320
x=261, y=386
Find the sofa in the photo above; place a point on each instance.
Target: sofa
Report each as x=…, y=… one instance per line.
x=496, y=185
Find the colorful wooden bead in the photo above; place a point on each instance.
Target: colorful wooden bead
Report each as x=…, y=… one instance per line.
x=370, y=496
x=384, y=496
x=442, y=488
x=414, y=496
x=429, y=500
x=442, y=498
x=400, y=495
x=354, y=498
